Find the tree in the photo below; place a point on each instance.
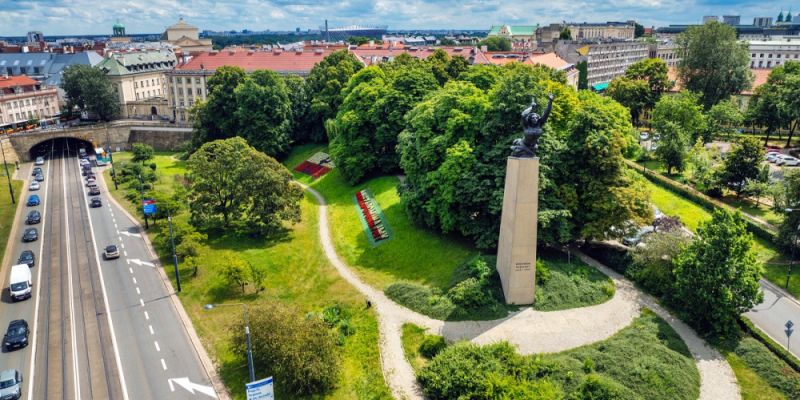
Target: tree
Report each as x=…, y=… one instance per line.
x=141, y=152
x=713, y=62
x=672, y=148
x=704, y=167
x=787, y=197
x=743, y=162
x=789, y=93
x=496, y=43
x=447, y=42
x=232, y=182
x=766, y=109
x=300, y=352
x=235, y=270
x=652, y=261
x=300, y=103
x=638, y=30
x=631, y=93
x=325, y=83
x=484, y=76
x=263, y=110
x=655, y=72
x=681, y=110
x=88, y=89
x=583, y=75
x=716, y=276
x=215, y=118
x=565, y=34
x=724, y=118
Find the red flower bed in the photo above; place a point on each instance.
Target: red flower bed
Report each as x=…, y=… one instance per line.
x=371, y=215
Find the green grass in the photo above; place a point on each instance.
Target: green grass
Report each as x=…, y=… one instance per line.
x=7, y=209
x=571, y=284
x=298, y=274
x=752, y=386
x=771, y=370
x=412, y=339
x=761, y=211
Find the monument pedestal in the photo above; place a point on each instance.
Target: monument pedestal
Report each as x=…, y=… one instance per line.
x=516, y=251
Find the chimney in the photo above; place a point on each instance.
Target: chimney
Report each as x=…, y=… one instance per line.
x=484, y=48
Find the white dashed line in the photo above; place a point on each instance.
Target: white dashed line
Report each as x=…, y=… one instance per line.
x=146, y=316
x=157, y=348
x=163, y=364
x=141, y=302
x=115, y=226
x=130, y=269
x=152, y=332
x=122, y=245
x=138, y=291
x=120, y=238
x=125, y=253
x=134, y=280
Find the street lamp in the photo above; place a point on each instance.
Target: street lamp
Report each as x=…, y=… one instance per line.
x=141, y=189
x=174, y=254
x=111, y=159
x=794, y=248
x=8, y=176
x=246, y=334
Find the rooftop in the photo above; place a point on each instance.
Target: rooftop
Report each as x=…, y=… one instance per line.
x=14, y=81
x=527, y=30
x=140, y=61
x=278, y=61
x=377, y=54
x=760, y=76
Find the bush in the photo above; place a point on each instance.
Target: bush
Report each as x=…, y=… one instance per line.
x=598, y=387
x=470, y=293
x=616, y=259
x=300, y=352
x=767, y=341
x=421, y=299
x=542, y=273
x=768, y=366
x=431, y=346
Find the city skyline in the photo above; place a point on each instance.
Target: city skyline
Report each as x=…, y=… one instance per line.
x=57, y=17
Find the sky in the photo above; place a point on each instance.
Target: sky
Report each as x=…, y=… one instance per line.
x=81, y=17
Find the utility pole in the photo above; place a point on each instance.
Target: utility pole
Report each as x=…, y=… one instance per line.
x=111, y=159
x=246, y=334
x=174, y=254
x=141, y=190
x=794, y=248
x=8, y=176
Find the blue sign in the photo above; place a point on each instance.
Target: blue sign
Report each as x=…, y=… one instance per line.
x=149, y=206
x=260, y=390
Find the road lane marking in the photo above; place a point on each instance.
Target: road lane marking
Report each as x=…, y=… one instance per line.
x=125, y=252
x=146, y=316
x=134, y=280
x=120, y=238
x=129, y=268
x=115, y=226
x=31, y=372
x=122, y=245
x=163, y=364
x=141, y=302
x=158, y=349
x=76, y=369
x=138, y=291
x=152, y=332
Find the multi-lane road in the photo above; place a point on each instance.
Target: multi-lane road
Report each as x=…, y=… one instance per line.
x=100, y=329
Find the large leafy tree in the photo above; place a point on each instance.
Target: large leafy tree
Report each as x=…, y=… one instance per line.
x=496, y=43
x=235, y=185
x=788, y=196
x=742, y=163
x=714, y=62
x=631, y=93
x=765, y=109
x=789, y=91
x=672, y=148
x=88, y=89
x=263, y=111
x=300, y=108
x=716, y=276
x=654, y=71
x=484, y=76
x=325, y=83
x=679, y=120
x=215, y=118
x=724, y=118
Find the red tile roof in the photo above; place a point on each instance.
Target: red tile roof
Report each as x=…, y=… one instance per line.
x=14, y=81
x=760, y=76
x=282, y=61
x=549, y=60
x=376, y=54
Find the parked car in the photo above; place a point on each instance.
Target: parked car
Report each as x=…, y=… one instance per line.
x=644, y=136
x=34, y=217
x=30, y=235
x=36, y=171
x=638, y=236
x=34, y=186
x=110, y=252
x=39, y=178
x=788, y=161
x=10, y=384
x=656, y=137
x=27, y=257
x=94, y=191
x=772, y=156
x=16, y=334
x=33, y=200
x=90, y=180
x=39, y=160
x=95, y=202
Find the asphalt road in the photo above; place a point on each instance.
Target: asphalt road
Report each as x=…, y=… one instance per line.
x=104, y=329
x=773, y=313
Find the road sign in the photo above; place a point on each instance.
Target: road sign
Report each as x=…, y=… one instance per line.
x=260, y=390
x=149, y=206
x=789, y=330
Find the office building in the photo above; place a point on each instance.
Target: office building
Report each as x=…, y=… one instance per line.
x=604, y=60
x=138, y=80
x=732, y=20
x=23, y=100
x=762, y=22
x=769, y=54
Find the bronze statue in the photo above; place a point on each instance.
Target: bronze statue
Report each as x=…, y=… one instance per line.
x=532, y=123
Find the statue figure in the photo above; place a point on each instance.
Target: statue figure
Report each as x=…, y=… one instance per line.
x=532, y=123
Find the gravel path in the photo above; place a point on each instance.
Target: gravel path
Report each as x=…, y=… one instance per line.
x=530, y=330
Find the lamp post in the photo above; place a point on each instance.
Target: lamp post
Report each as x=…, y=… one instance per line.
x=174, y=254
x=8, y=176
x=246, y=334
x=141, y=189
x=111, y=159
x=794, y=248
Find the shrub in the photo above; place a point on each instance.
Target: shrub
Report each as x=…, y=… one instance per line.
x=774, y=347
x=542, y=272
x=431, y=346
x=776, y=372
x=470, y=293
x=421, y=299
x=300, y=352
x=598, y=387
x=616, y=259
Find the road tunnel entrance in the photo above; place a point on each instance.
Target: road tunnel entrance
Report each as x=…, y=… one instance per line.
x=59, y=145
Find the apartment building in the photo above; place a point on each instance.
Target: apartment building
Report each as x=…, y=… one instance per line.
x=23, y=99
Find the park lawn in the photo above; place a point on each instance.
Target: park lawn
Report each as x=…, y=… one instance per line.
x=571, y=284
x=761, y=211
x=412, y=254
x=753, y=386
x=412, y=339
x=692, y=214
x=8, y=210
x=298, y=274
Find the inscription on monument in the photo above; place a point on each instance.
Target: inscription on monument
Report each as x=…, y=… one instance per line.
x=522, y=266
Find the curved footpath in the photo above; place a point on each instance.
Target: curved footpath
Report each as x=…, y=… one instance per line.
x=530, y=330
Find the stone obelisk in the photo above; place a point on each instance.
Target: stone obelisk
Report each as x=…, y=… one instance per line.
x=516, y=249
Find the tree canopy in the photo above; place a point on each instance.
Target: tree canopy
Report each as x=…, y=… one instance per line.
x=88, y=89
x=325, y=83
x=496, y=43
x=234, y=185
x=679, y=120
x=743, y=163
x=713, y=62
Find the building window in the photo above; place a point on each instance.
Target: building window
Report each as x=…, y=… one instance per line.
x=180, y=91
x=761, y=55
x=769, y=64
x=779, y=56
x=135, y=85
x=179, y=79
x=197, y=80
x=137, y=95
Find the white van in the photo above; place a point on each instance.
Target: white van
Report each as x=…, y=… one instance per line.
x=20, y=283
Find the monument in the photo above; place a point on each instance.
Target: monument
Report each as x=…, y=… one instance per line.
x=516, y=251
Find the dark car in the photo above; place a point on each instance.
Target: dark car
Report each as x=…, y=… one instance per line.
x=39, y=177
x=27, y=257
x=16, y=334
x=96, y=203
x=94, y=191
x=30, y=235
x=36, y=171
x=33, y=200
x=34, y=217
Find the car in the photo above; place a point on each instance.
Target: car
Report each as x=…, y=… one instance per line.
x=36, y=171
x=90, y=180
x=788, y=161
x=33, y=200
x=654, y=146
x=772, y=156
x=110, y=252
x=27, y=257
x=30, y=235
x=656, y=137
x=95, y=202
x=638, y=236
x=10, y=384
x=39, y=178
x=34, y=186
x=94, y=191
x=16, y=334
x=34, y=217
x=91, y=185
x=644, y=136
x=39, y=160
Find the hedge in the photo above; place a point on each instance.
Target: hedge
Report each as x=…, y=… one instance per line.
x=757, y=228
x=773, y=346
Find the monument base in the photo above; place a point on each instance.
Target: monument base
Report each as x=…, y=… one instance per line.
x=516, y=250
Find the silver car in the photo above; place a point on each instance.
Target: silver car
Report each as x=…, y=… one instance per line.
x=10, y=384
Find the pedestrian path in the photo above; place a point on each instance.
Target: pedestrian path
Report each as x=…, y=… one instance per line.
x=530, y=330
